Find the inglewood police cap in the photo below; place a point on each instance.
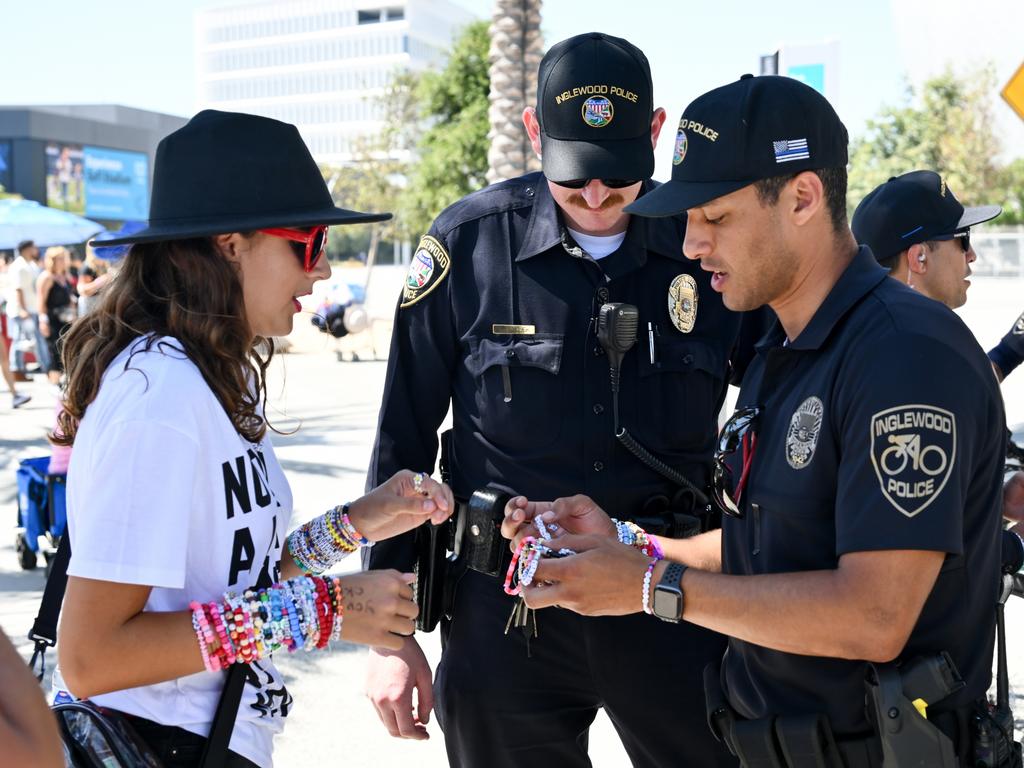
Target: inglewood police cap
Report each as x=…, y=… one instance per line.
x=752, y=129
x=595, y=101
x=911, y=209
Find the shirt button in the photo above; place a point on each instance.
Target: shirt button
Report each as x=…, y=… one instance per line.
x=598, y=466
x=598, y=350
x=510, y=353
x=598, y=409
x=602, y=294
x=687, y=359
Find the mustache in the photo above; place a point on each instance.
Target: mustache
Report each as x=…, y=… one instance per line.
x=611, y=201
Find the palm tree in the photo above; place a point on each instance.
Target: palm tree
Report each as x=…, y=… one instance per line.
x=516, y=50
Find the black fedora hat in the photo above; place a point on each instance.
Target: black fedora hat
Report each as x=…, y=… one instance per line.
x=231, y=172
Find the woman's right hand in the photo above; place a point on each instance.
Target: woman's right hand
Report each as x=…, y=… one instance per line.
x=401, y=503
x=379, y=608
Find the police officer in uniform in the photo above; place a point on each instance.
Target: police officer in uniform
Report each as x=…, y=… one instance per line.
x=498, y=317
x=860, y=473
x=918, y=230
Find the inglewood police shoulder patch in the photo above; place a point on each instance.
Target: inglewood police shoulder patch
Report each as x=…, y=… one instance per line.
x=430, y=264
x=1018, y=327
x=802, y=435
x=913, y=451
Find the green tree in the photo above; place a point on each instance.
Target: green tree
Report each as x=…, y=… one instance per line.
x=451, y=153
x=431, y=151
x=1012, y=181
x=374, y=181
x=947, y=129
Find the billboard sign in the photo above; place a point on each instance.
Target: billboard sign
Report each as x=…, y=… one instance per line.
x=100, y=183
x=65, y=186
x=116, y=184
x=5, y=166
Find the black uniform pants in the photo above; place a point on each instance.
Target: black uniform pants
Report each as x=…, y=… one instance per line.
x=500, y=707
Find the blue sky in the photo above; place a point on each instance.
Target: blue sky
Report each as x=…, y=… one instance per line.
x=140, y=52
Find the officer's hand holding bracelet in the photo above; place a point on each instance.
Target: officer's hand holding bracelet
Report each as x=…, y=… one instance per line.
x=574, y=514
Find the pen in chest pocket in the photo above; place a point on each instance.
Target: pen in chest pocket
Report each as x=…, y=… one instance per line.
x=506, y=383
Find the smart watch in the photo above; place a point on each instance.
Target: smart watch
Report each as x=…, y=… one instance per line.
x=668, y=594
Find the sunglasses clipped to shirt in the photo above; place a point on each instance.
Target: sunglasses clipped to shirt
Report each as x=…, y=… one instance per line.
x=308, y=246
x=610, y=183
x=739, y=432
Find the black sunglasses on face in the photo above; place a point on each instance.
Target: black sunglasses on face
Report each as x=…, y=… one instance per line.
x=964, y=237
x=739, y=430
x=610, y=183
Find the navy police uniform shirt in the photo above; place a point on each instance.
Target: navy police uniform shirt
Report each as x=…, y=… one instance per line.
x=497, y=316
x=1009, y=353
x=881, y=428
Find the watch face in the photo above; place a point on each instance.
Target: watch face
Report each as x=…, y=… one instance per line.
x=668, y=604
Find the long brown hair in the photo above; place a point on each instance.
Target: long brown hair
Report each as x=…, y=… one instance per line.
x=185, y=289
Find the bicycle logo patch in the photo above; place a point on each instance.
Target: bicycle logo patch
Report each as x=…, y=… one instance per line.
x=913, y=450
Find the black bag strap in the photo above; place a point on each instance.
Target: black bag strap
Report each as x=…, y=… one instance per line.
x=44, y=634
x=44, y=629
x=215, y=753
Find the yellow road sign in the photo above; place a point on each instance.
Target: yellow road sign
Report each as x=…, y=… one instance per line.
x=1013, y=92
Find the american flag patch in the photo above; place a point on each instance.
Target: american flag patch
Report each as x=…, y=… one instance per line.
x=792, y=149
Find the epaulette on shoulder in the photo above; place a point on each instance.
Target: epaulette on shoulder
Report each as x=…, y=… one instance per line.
x=496, y=198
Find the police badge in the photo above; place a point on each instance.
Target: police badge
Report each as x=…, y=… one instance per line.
x=802, y=436
x=682, y=303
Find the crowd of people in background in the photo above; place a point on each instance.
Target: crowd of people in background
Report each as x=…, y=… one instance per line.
x=41, y=293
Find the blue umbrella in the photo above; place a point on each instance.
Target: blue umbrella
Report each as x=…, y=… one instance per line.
x=115, y=252
x=28, y=220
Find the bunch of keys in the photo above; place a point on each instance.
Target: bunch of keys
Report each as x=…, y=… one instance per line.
x=522, y=569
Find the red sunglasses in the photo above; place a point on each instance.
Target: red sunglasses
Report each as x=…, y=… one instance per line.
x=308, y=246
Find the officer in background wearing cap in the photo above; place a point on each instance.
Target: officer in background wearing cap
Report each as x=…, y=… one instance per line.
x=919, y=231
x=498, y=317
x=861, y=485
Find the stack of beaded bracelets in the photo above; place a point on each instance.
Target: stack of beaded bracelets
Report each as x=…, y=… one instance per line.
x=322, y=542
x=304, y=612
x=527, y=557
x=632, y=535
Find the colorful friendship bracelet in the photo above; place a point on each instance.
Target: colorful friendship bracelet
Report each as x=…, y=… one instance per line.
x=320, y=544
x=526, y=558
x=632, y=535
x=304, y=612
x=647, y=584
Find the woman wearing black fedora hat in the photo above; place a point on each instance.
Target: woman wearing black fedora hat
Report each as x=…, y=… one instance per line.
x=176, y=501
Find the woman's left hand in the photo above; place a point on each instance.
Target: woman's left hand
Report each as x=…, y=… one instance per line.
x=400, y=504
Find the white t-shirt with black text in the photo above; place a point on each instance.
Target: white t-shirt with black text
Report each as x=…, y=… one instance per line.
x=162, y=491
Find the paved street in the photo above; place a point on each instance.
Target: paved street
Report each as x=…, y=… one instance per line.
x=335, y=404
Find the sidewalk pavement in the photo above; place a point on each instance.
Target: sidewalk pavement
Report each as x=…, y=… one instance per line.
x=335, y=407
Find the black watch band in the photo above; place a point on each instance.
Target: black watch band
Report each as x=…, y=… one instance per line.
x=668, y=594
